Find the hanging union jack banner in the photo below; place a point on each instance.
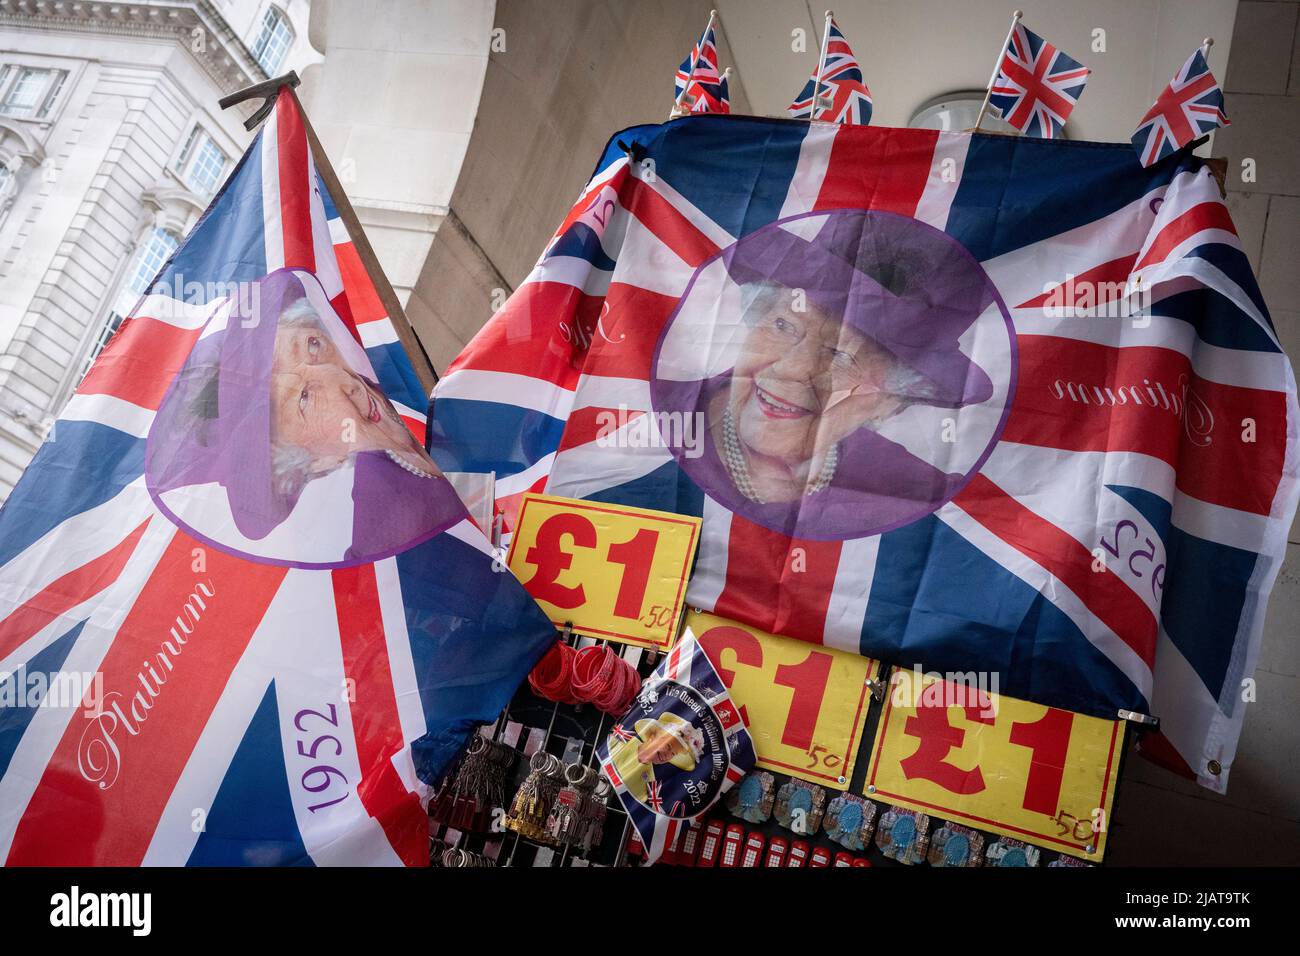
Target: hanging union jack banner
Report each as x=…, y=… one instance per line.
x=843, y=96
x=1190, y=106
x=287, y=622
x=1037, y=85
x=1052, y=442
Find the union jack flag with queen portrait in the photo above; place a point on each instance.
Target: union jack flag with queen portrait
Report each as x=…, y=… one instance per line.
x=920, y=422
x=287, y=622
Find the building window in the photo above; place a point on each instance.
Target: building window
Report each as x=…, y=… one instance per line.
x=201, y=163
x=148, y=262
x=153, y=252
x=273, y=41
x=29, y=93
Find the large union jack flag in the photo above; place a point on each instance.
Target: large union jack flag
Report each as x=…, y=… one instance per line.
x=1037, y=85
x=275, y=673
x=843, y=96
x=1058, y=493
x=1190, y=106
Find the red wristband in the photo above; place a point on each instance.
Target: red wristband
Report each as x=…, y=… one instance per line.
x=552, y=678
x=621, y=690
x=594, y=668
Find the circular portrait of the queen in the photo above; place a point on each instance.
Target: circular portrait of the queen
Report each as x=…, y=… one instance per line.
x=276, y=443
x=841, y=373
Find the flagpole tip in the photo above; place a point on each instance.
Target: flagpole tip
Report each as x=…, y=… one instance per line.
x=829, y=14
x=1208, y=41
x=1018, y=15
x=713, y=13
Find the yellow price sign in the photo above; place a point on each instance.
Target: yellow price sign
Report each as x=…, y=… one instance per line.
x=805, y=704
x=1034, y=773
x=609, y=570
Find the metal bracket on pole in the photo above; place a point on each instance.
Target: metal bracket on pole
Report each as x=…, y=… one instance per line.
x=1145, y=721
x=267, y=89
x=877, y=688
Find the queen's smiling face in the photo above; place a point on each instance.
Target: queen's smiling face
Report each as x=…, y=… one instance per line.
x=659, y=747
x=803, y=381
x=319, y=404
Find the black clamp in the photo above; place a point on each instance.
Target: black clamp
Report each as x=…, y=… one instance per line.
x=267, y=89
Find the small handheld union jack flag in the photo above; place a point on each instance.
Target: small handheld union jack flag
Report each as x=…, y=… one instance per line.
x=710, y=97
x=1190, y=106
x=1037, y=86
x=843, y=96
x=698, y=86
x=654, y=796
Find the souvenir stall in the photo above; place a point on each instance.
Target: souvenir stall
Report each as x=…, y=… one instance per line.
x=821, y=449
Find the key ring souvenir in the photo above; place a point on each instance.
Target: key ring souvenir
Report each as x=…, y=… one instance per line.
x=532, y=803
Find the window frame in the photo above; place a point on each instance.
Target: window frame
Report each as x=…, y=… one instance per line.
x=185, y=160
x=272, y=18
x=116, y=308
x=46, y=99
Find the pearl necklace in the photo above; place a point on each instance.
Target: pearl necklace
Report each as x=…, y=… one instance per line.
x=406, y=465
x=738, y=468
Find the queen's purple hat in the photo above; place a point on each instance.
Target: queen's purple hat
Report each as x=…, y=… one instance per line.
x=907, y=286
x=214, y=425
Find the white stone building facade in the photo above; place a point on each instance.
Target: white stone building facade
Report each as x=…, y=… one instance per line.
x=111, y=146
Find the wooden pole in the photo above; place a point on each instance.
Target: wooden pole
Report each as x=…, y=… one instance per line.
x=699, y=50
x=821, y=66
x=365, y=252
x=997, y=65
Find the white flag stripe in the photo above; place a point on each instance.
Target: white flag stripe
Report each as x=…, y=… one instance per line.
x=106, y=410
x=508, y=388
x=38, y=743
x=946, y=169
x=273, y=229
x=1065, y=600
x=810, y=171
x=847, y=608
x=710, y=577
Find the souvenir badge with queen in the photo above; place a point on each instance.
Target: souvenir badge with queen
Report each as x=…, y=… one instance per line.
x=678, y=749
